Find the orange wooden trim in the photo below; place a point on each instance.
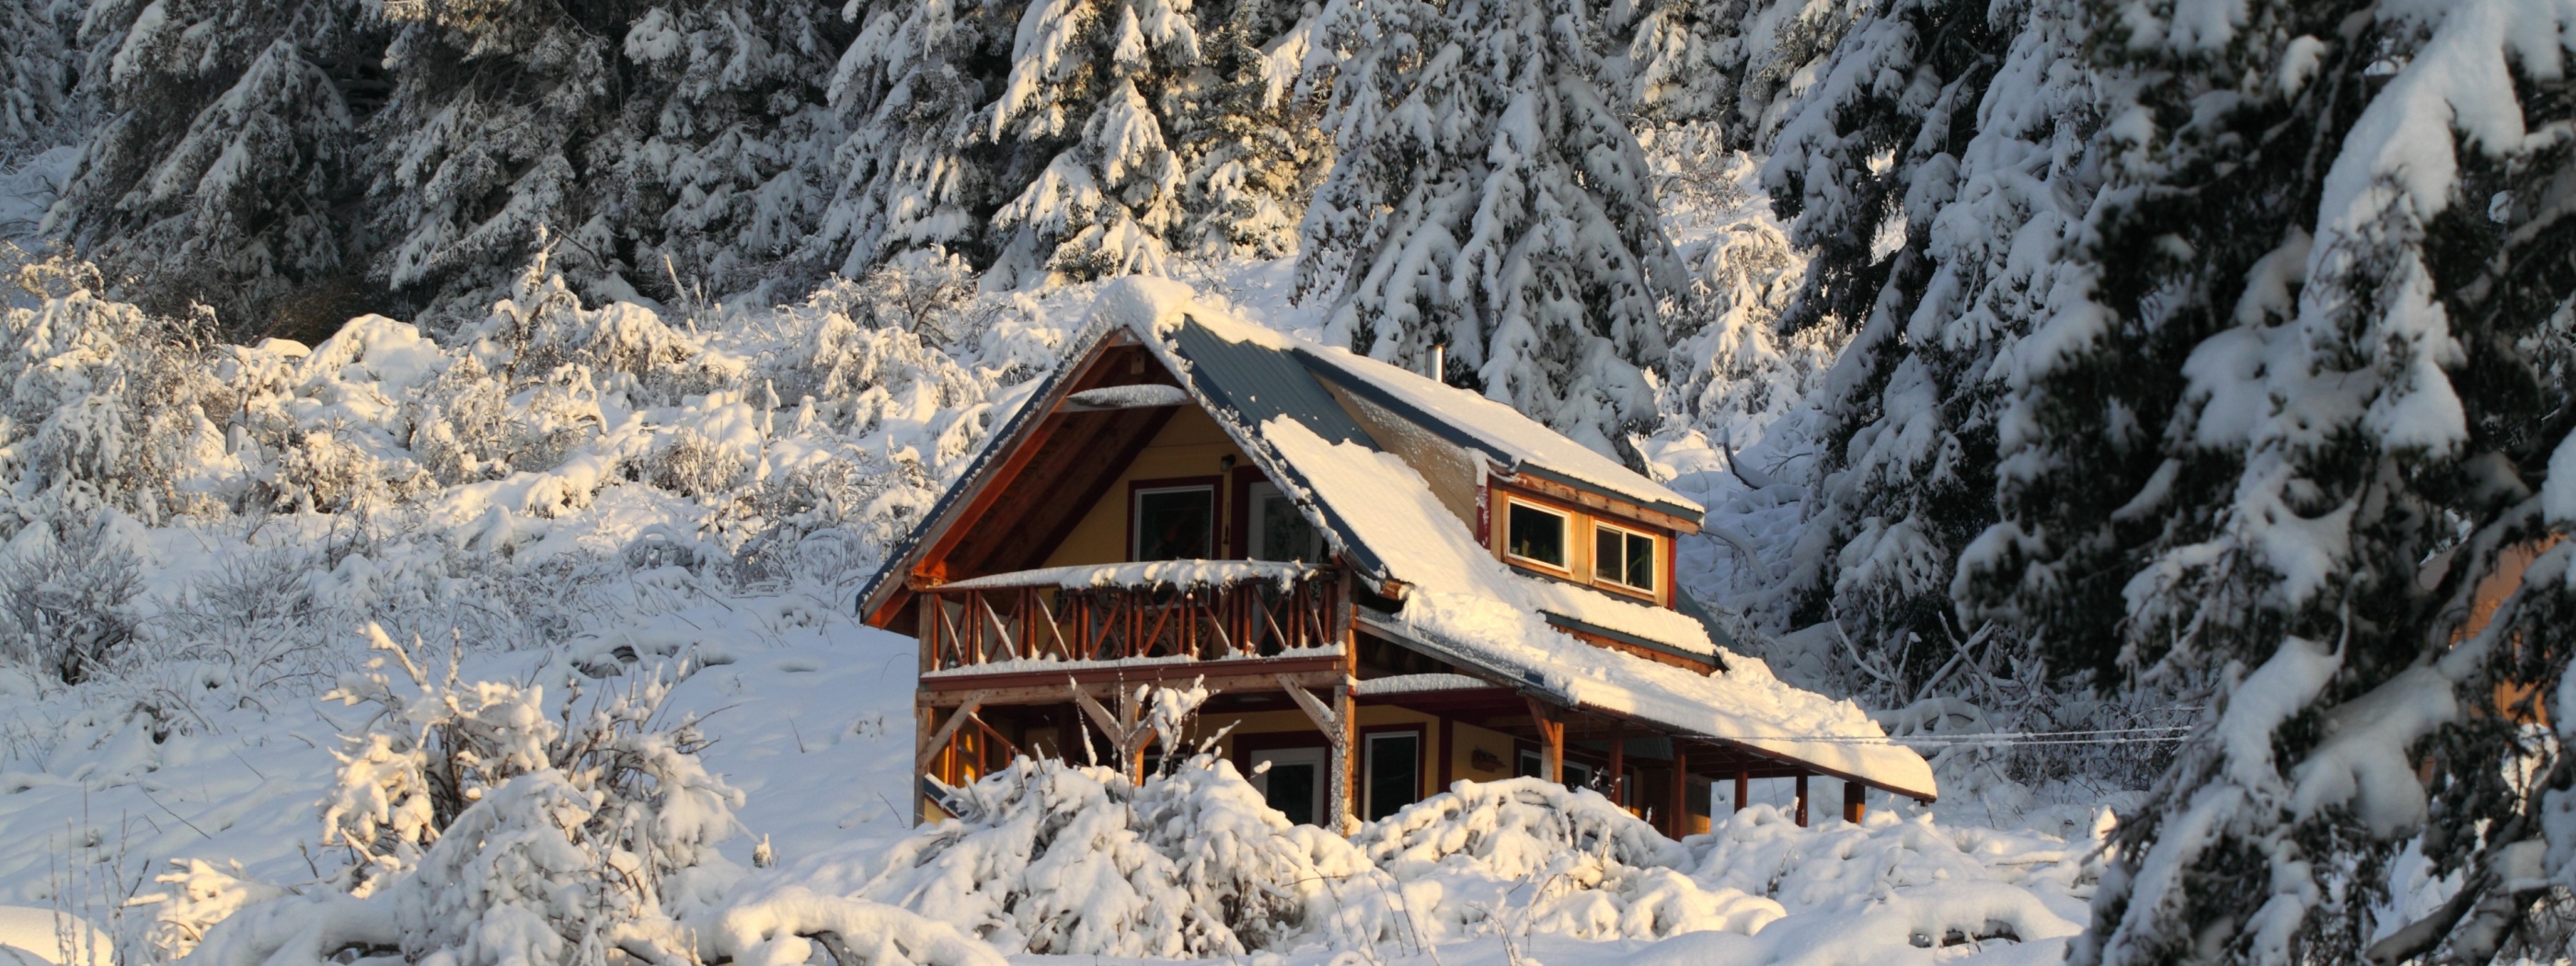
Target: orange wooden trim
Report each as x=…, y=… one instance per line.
x=1593, y=503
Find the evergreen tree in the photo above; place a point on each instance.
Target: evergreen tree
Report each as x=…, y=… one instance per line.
x=228, y=168
x=496, y=108
x=1080, y=119
x=1736, y=63
x=914, y=172
x=1488, y=196
x=35, y=79
x=1932, y=234
x=1247, y=129
x=2343, y=216
x=721, y=154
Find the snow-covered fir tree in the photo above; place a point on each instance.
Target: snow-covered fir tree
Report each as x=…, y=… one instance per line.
x=229, y=169
x=1081, y=123
x=36, y=97
x=914, y=172
x=489, y=140
x=1247, y=128
x=1488, y=196
x=1739, y=64
x=1927, y=231
x=2348, y=204
x=721, y=156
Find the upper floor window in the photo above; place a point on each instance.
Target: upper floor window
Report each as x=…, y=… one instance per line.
x=1279, y=532
x=1175, y=523
x=1535, y=534
x=1623, y=558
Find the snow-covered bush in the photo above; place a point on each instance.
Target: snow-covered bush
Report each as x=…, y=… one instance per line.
x=105, y=403
x=484, y=831
x=1530, y=854
x=1050, y=857
x=67, y=597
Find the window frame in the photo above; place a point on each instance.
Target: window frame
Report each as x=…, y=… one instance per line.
x=1565, y=542
x=1655, y=554
x=1137, y=490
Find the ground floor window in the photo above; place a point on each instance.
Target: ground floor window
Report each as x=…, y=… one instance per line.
x=1394, y=770
x=1293, y=782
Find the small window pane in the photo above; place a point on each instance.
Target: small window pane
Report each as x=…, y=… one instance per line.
x=1536, y=535
x=1609, y=555
x=1641, y=562
x=1174, y=524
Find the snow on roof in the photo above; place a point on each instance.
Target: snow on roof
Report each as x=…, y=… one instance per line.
x=1151, y=573
x=1473, y=606
x=1157, y=309
x=1518, y=442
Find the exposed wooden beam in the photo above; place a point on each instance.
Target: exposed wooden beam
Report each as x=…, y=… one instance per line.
x=1551, y=738
x=937, y=741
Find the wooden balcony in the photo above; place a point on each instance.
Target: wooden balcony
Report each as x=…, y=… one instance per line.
x=1143, y=621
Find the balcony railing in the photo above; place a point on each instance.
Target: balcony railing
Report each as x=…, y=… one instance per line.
x=1204, y=610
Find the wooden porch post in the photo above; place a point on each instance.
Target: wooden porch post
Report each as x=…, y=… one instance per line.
x=1551, y=738
x=1346, y=750
x=1340, y=724
x=1855, y=801
x=1743, y=788
x=1618, y=762
x=1802, y=799
x=1679, y=804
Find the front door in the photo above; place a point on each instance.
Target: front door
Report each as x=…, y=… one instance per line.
x=1294, y=782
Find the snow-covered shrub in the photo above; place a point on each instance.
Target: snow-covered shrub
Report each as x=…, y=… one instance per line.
x=484, y=832
x=66, y=597
x=197, y=895
x=103, y=400
x=1529, y=854
x=1054, y=858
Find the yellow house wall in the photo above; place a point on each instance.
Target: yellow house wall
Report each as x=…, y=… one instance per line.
x=1190, y=445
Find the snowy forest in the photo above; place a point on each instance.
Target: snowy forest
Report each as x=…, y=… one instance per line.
x=441, y=441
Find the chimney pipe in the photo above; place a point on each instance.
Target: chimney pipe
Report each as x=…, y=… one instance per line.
x=1440, y=364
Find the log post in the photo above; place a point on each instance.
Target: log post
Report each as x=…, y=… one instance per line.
x=1855, y=801
x=1346, y=786
x=1802, y=799
x=1338, y=722
x=1743, y=788
x=1618, y=785
x=1680, y=798
x=1551, y=738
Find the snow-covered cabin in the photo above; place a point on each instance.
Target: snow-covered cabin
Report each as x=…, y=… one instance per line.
x=1391, y=584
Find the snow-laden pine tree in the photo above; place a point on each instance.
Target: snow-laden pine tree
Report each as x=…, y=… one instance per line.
x=36, y=99
x=1739, y=64
x=488, y=143
x=1931, y=171
x=229, y=167
x=1487, y=195
x=914, y=172
x=1246, y=126
x=1080, y=121
x=721, y=154
x=2365, y=208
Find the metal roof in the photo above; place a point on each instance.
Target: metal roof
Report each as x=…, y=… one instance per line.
x=1255, y=384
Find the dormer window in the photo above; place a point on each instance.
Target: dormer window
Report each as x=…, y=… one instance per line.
x=1536, y=535
x=1623, y=558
